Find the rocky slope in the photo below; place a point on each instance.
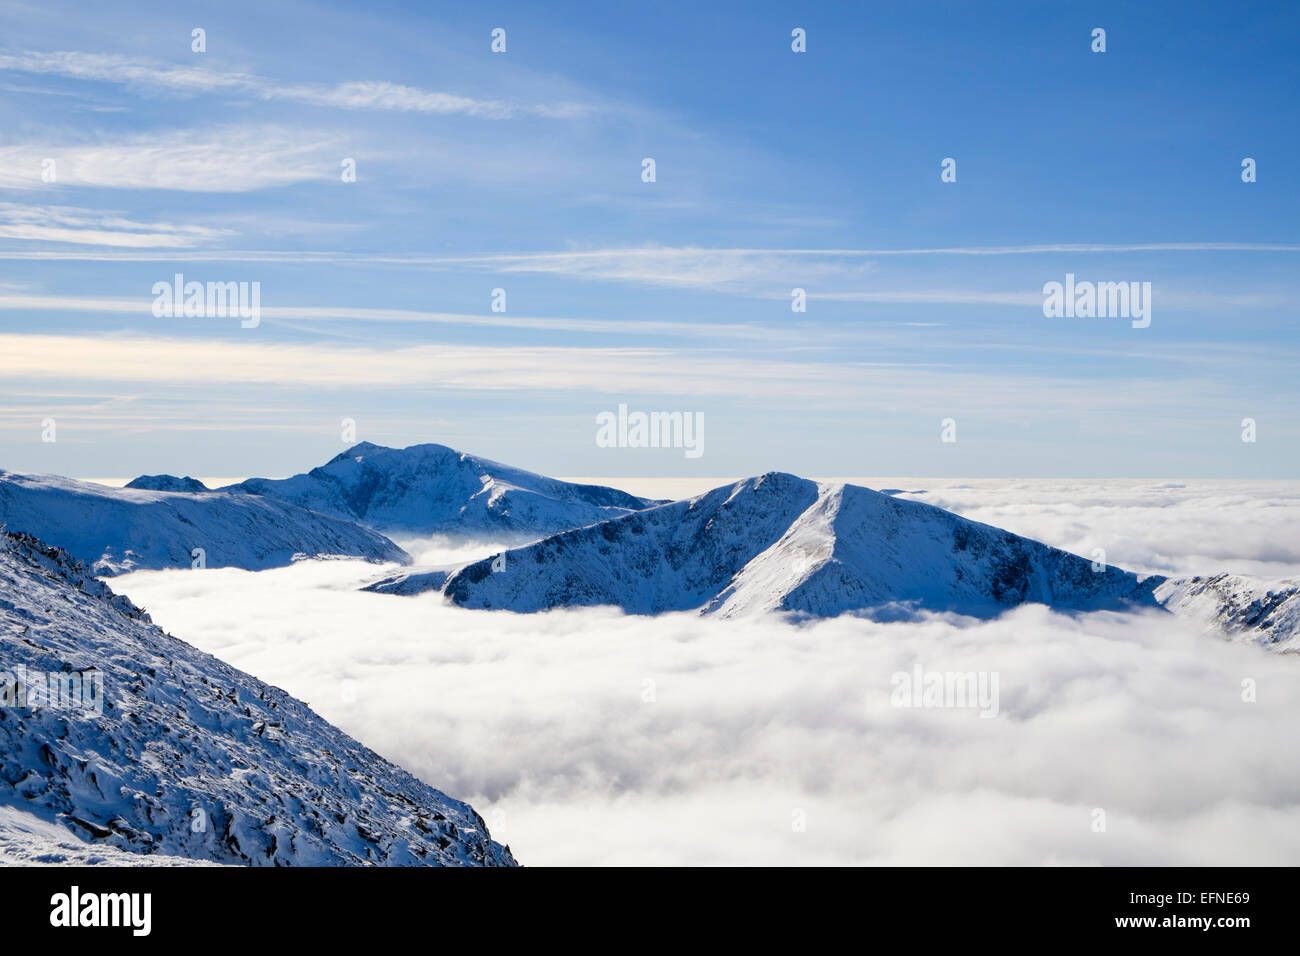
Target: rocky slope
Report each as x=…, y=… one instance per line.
x=133, y=740
x=1264, y=612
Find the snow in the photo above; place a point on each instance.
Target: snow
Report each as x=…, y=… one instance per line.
x=432, y=489
x=117, y=530
x=27, y=840
x=185, y=755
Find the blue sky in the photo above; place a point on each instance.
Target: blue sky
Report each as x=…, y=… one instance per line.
x=774, y=170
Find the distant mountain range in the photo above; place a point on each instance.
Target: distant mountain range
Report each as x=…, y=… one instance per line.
x=168, y=483
x=433, y=489
x=116, y=530
x=771, y=543
x=783, y=543
x=130, y=739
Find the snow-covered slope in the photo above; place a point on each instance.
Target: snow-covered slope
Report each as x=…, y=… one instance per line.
x=117, y=530
x=1245, y=608
x=186, y=755
x=782, y=543
x=28, y=840
x=432, y=489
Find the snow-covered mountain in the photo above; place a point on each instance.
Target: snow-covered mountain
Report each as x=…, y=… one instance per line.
x=116, y=530
x=154, y=747
x=168, y=483
x=782, y=543
x=433, y=489
x=1263, y=612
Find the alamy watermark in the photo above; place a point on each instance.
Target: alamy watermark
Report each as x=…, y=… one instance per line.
x=957, y=690
x=213, y=300
x=624, y=429
x=63, y=690
x=1086, y=300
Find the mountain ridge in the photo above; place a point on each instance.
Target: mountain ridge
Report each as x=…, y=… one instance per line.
x=434, y=489
x=778, y=542
x=117, y=530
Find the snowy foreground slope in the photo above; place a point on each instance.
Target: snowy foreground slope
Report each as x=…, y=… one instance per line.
x=782, y=543
x=117, y=530
x=28, y=840
x=432, y=489
x=179, y=754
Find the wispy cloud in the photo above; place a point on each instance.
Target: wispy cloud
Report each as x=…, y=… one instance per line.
x=1168, y=298
x=618, y=258
x=308, y=314
x=674, y=263
x=142, y=360
x=91, y=227
x=353, y=95
x=229, y=160
x=151, y=359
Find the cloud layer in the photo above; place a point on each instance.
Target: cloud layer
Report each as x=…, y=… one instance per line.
x=589, y=737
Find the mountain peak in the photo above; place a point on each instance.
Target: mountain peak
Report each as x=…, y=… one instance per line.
x=778, y=542
x=359, y=450
x=168, y=483
x=434, y=489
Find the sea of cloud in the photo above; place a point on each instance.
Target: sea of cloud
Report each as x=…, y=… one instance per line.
x=591, y=737
x=1158, y=527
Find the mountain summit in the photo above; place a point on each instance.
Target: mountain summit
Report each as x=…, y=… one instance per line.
x=783, y=543
x=433, y=489
x=167, y=483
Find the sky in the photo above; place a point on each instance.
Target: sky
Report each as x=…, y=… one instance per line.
x=774, y=170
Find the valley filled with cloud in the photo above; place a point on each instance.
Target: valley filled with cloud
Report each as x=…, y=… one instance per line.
x=592, y=737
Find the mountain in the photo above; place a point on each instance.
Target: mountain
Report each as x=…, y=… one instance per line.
x=117, y=530
x=134, y=740
x=433, y=489
x=1260, y=611
x=783, y=543
x=168, y=483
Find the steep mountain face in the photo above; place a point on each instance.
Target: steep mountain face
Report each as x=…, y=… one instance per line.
x=168, y=483
x=131, y=739
x=117, y=530
x=782, y=543
x=432, y=489
x=1263, y=612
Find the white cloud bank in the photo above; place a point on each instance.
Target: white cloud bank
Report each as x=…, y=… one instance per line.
x=1151, y=526
x=543, y=723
